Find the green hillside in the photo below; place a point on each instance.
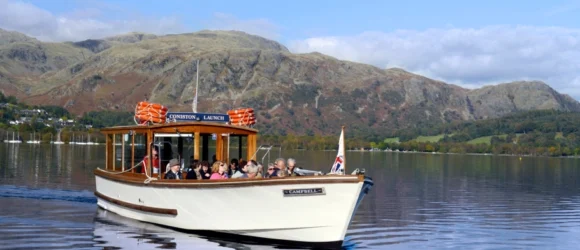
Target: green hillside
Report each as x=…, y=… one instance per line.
x=536, y=132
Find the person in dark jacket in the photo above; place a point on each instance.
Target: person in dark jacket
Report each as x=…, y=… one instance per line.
x=205, y=171
x=192, y=172
x=173, y=173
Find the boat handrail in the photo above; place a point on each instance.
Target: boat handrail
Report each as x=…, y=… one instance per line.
x=268, y=148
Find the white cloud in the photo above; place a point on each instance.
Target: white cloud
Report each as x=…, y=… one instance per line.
x=80, y=25
x=260, y=27
x=468, y=57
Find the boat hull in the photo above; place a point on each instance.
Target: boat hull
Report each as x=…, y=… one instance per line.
x=311, y=210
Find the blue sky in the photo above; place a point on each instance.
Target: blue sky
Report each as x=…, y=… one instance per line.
x=302, y=19
x=468, y=43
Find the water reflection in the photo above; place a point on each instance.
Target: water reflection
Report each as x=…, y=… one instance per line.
x=421, y=201
x=114, y=231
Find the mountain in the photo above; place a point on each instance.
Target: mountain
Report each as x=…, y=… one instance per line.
x=300, y=93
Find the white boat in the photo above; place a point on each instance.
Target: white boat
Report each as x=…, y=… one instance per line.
x=315, y=210
x=14, y=140
x=32, y=139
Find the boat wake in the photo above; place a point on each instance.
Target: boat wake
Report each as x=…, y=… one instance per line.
x=10, y=191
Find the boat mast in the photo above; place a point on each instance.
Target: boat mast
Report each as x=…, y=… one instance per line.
x=194, y=103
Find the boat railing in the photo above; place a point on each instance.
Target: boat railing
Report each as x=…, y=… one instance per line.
x=268, y=149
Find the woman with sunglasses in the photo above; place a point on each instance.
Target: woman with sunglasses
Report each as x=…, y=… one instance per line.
x=219, y=170
x=272, y=171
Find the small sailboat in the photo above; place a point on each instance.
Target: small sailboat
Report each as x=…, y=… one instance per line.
x=58, y=141
x=15, y=140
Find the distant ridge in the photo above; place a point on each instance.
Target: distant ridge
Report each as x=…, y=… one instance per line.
x=292, y=93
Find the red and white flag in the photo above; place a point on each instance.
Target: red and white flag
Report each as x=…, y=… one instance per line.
x=338, y=166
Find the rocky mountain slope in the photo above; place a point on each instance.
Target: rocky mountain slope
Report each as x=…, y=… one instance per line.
x=301, y=93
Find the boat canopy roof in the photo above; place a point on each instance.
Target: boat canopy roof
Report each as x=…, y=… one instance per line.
x=184, y=127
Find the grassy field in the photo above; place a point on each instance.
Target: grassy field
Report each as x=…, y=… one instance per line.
x=434, y=138
x=487, y=139
x=483, y=139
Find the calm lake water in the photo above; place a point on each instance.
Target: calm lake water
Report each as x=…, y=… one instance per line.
x=419, y=201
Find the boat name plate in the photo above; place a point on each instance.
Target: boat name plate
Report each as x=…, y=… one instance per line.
x=303, y=192
x=187, y=116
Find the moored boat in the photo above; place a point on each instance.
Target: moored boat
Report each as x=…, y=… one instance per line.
x=312, y=209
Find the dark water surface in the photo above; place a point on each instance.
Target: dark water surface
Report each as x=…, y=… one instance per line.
x=419, y=201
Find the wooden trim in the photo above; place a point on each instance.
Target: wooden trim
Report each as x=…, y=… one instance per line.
x=196, y=144
x=219, y=147
x=133, y=152
x=251, y=147
x=114, y=146
x=123, y=152
x=225, y=149
x=138, y=180
x=109, y=153
x=148, y=153
x=137, y=207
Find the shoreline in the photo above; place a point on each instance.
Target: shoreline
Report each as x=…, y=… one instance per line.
x=473, y=154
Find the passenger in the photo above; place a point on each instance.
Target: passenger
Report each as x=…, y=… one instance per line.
x=242, y=170
x=252, y=171
x=219, y=170
x=233, y=167
x=242, y=164
x=281, y=167
x=272, y=171
x=260, y=171
x=193, y=171
x=291, y=167
x=204, y=171
x=156, y=161
x=173, y=173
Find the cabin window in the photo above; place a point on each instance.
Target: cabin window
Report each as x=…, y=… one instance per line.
x=118, y=151
x=174, y=145
x=140, y=150
x=238, y=147
x=207, y=147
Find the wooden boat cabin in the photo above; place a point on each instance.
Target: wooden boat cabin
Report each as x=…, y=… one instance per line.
x=127, y=146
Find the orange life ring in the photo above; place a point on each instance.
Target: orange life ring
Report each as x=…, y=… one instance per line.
x=150, y=114
x=143, y=118
x=241, y=115
x=152, y=111
x=244, y=123
x=157, y=106
x=243, y=119
x=240, y=111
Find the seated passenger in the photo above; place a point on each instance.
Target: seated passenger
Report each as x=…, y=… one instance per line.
x=233, y=167
x=260, y=170
x=173, y=173
x=252, y=171
x=272, y=171
x=219, y=170
x=281, y=167
x=204, y=171
x=291, y=167
x=241, y=173
x=156, y=161
x=193, y=171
